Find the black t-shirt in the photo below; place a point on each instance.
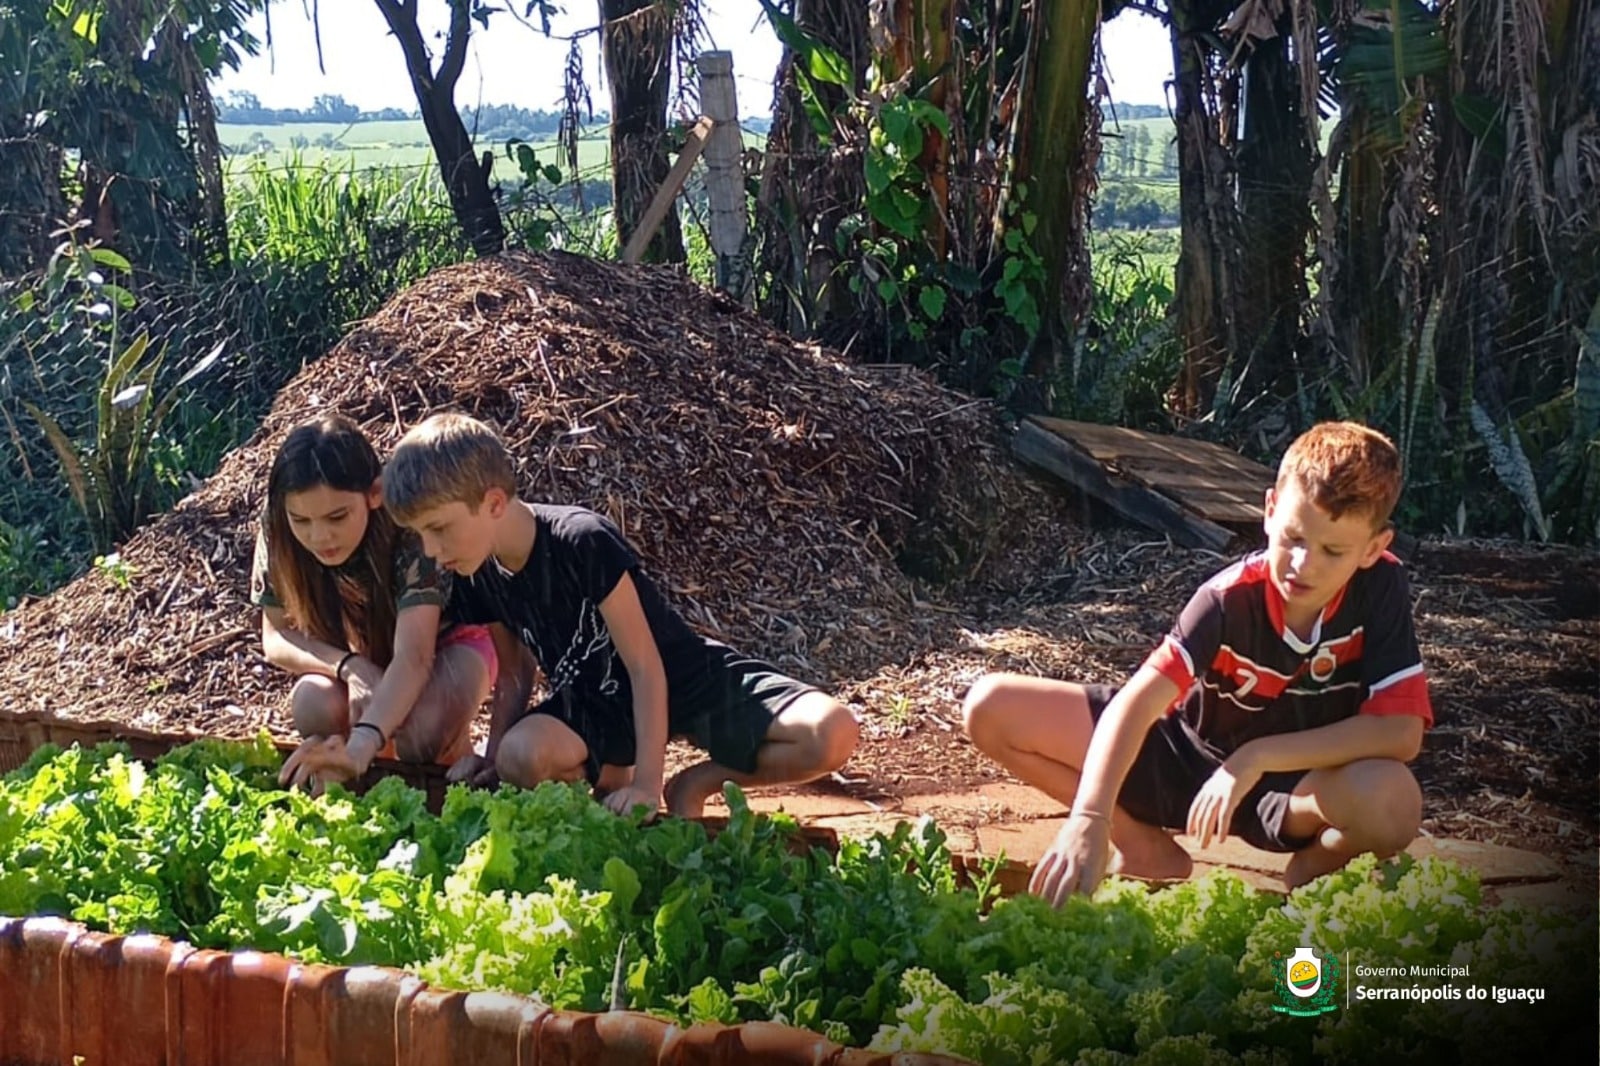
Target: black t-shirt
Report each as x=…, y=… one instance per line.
x=1245, y=674
x=553, y=605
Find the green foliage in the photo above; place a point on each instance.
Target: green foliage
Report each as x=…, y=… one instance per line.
x=109, y=471
x=545, y=893
x=1125, y=359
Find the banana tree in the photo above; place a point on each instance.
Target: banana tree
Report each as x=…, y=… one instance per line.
x=957, y=140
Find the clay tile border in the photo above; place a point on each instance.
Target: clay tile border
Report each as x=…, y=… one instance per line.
x=70, y=994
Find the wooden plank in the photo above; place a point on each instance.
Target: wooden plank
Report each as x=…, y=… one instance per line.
x=1036, y=444
x=1205, y=478
x=1123, y=443
x=656, y=213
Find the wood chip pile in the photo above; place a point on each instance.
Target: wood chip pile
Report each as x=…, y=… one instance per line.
x=778, y=493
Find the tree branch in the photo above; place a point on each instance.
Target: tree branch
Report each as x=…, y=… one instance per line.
x=455, y=49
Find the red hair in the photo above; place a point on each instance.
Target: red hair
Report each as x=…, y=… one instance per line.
x=1345, y=467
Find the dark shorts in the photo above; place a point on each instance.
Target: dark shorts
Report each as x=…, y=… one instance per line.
x=724, y=705
x=1173, y=765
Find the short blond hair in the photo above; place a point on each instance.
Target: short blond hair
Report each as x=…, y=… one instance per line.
x=446, y=458
x=1345, y=467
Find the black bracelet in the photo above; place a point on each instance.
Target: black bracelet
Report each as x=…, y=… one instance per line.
x=382, y=740
x=338, y=671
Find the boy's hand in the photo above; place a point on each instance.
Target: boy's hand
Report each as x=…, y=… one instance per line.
x=1212, y=810
x=1076, y=862
x=474, y=770
x=626, y=798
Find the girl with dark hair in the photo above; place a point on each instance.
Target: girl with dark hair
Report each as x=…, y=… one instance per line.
x=350, y=603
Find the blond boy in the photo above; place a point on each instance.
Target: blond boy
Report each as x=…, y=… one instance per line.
x=561, y=589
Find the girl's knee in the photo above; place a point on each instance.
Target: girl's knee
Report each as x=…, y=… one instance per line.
x=421, y=741
x=319, y=706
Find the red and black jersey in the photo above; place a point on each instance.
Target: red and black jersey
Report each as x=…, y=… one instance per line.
x=1245, y=674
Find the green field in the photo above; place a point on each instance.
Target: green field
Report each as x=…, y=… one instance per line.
x=382, y=143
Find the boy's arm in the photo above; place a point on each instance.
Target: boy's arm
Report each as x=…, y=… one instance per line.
x=636, y=647
x=512, y=685
x=1076, y=862
x=1363, y=736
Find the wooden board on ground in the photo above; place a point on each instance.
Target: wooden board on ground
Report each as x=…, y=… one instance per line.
x=1200, y=493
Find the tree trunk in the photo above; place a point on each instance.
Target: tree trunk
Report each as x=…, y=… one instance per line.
x=466, y=178
x=921, y=50
x=1054, y=162
x=209, y=213
x=636, y=47
x=1204, y=280
x=1274, y=211
x=31, y=202
x=809, y=185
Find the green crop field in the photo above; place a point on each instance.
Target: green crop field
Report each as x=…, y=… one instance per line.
x=380, y=144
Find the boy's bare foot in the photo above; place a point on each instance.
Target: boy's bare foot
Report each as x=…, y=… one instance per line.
x=686, y=793
x=1150, y=855
x=1310, y=863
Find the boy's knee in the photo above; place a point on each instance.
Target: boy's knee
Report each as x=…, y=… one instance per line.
x=1392, y=802
x=980, y=707
x=837, y=735
x=516, y=762
x=318, y=706
x=523, y=760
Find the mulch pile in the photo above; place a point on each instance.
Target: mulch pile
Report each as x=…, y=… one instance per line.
x=776, y=491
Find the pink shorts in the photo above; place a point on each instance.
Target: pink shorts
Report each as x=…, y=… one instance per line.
x=477, y=638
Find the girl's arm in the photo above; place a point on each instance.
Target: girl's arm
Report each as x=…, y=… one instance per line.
x=295, y=650
x=394, y=690
x=636, y=647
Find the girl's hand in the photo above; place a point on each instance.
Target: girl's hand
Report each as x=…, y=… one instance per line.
x=321, y=761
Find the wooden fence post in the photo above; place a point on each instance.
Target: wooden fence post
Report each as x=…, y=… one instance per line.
x=724, y=172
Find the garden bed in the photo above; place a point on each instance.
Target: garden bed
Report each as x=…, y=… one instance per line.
x=877, y=946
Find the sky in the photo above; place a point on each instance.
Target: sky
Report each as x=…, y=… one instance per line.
x=517, y=64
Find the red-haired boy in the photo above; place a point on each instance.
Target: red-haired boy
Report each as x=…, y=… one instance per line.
x=1282, y=708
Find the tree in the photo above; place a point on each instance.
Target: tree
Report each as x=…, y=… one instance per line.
x=636, y=39
x=334, y=109
x=120, y=89
x=924, y=191
x=466, y=177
